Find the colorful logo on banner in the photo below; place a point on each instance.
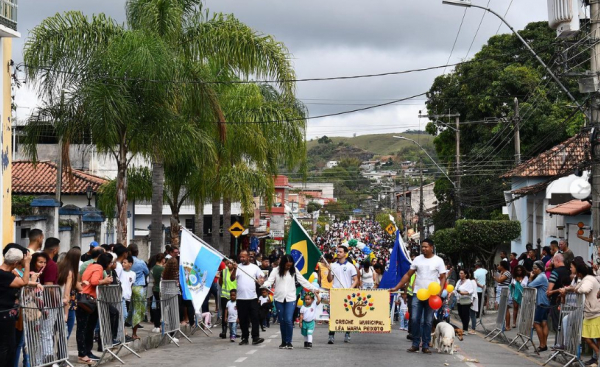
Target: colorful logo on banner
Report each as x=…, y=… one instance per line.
x=359, y=305
x=364, y=311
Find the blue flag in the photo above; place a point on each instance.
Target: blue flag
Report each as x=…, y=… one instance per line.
x=398, y=266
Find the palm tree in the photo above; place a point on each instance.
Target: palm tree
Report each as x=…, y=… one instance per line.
x=222, y=42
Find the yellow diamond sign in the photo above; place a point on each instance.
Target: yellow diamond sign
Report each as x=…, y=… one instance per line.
x=390, y=229
x=236, y=229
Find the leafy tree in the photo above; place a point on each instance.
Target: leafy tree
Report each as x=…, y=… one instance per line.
x=486, y=87
x=325, y=140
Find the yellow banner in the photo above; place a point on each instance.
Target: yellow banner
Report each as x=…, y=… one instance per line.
x=360, y=311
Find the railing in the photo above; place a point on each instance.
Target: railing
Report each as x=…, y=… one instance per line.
x=8, y=13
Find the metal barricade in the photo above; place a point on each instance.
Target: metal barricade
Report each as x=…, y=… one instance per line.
x=525, y=319
x=500, y=318
x=571, y=316
x=481, y=309
x=44, y=325
x=112, y=321
x=169, y=310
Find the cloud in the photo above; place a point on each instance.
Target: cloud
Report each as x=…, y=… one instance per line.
x=335, y=38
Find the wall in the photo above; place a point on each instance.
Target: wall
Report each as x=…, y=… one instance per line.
x=7, y=226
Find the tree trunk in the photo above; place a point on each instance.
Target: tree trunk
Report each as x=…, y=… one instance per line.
x=226, y=225
x=122, y=196
x=199, y=220
x=175, y=228
x=216, y=224
x=156, y=226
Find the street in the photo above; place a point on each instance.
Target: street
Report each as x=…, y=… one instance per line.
x=364, y=350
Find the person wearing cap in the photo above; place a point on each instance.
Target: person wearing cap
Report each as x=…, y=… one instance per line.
x=9, y=289
x=88, y=255
x=542, y=304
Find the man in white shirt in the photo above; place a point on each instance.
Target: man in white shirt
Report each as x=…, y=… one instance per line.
x=479, y=275
x=343, y=275
x=247, y=299
x=428, y=268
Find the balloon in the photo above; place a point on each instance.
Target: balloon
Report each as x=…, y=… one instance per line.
x=360, y=246
x=450, y=288
x=406, y=316
x=300, y=303
x=434, y=288
x=423, y=294
x=435, y=302
x=444, y=293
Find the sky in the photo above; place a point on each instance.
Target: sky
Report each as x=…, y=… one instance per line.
x=329, y=38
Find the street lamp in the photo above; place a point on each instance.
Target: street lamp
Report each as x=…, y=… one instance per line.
x=468, y=4
x=434, y=162
x=89, y=193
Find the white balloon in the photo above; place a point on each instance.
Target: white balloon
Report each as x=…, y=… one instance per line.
x=360, y=246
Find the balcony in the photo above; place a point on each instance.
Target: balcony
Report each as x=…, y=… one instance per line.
x=8, y=13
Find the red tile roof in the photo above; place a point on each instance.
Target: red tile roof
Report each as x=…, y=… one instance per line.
x=560, y=160
x=40, y=179
x=570, y=208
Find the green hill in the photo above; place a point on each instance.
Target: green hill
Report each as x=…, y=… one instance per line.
x=380, y=144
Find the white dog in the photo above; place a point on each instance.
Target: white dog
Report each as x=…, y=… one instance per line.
x=443, y=338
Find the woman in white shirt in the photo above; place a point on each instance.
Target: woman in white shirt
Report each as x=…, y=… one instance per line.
x=464, y=292
x=367, y=275
x=284, y=278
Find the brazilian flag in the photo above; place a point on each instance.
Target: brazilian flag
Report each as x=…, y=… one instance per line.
x=305, y=253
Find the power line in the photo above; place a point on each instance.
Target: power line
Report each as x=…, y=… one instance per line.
x=456, y=38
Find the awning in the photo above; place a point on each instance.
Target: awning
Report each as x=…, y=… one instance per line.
x=570, y=208
x=563, y=184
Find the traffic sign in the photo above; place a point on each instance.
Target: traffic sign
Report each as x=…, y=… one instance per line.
x=236, y=229
x=390, y=229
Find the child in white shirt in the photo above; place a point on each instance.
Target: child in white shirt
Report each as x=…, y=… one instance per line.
x=403, y=311
x=127, y=278
x=308, y=314
x=231, y=314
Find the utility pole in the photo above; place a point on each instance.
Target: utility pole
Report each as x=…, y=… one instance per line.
x=458, y=211
x=517, y=121
x=595, y=121
x=421, y=229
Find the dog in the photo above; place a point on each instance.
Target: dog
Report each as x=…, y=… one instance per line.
x=443, y=337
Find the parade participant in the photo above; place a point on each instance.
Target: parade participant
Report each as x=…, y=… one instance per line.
x=540, y=319
x=284, y=278
x=308, y=314
x=265, y=306
x=231, y=314
x=226, y=286
x=323, y=265
x=247, y=300
x=402, y=303
x=428, y=268
x=367, y=275
x=343, y=275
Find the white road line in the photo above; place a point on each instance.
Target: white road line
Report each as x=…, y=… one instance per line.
x=251, y=351
x=268, y=340
x=261, y=346
x=239, y=360
x=273, y=336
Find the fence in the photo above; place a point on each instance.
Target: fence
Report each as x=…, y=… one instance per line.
x=571, y=325
x=44, y=325
x=525, y=319
x=169, y=310
x=500, y=318
x=112, y=321
x=482, y=305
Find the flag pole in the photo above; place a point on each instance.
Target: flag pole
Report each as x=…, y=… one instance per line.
x=225, y=257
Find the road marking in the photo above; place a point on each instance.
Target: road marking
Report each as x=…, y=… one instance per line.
x=268, y=340
x=239, y=360
x=251, y=351
x=273, y=336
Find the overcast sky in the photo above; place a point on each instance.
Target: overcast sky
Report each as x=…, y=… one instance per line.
x=338, y=38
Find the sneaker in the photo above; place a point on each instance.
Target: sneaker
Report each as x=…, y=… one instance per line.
x=128, y=339
x=282, y=346
x=409, y=337
x=139, y=326
x=175, y=340
x=587, y=363
x=413, y=349
x=289, y=346
x=262, y=328
x=93, y=357
x=244, y=342
x=232, y=339
x=257, y=341
x=330, y=340
x=309, y=346
x=347, y=338
x=306, y=345
x=156, y=330
x=116, y=342
x=426, y=351
x=223, y=336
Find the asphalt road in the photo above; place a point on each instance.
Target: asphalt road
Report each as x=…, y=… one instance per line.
x=366, y=350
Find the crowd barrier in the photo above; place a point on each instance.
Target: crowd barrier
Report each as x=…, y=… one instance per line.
x=500, y=318
x=169, y=310
x=571, y=325
x=112, y=321
x=44, y=326
x=525, y=319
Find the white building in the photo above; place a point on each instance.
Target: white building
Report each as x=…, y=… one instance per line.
x=331, y=164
